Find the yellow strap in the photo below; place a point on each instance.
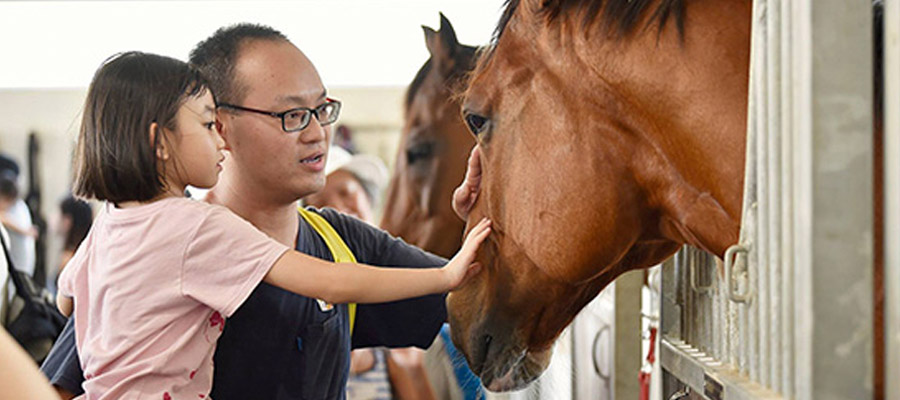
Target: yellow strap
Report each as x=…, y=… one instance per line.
x=336, y=245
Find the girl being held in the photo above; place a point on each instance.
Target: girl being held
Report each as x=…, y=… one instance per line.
x=158, y=273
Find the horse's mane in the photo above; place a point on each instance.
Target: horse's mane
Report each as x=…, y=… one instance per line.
x=619, y=17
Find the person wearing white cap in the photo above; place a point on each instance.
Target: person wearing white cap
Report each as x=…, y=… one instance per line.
x=353, y=184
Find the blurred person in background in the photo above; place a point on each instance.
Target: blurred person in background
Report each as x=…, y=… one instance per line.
x=17, y=218
x=73, y=225
x=353, y=184
x=9, y=197
x=343, y=138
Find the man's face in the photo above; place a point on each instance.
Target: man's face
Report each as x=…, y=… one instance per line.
x=283, y=166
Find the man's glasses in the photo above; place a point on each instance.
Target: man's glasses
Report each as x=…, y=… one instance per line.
x=296, y=119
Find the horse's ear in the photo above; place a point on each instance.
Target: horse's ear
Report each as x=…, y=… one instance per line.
x=441, y=44
x=448, y=35
x=431, y=36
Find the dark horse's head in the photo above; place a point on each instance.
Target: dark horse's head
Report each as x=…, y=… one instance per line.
x=433, y=149
x=612, y=132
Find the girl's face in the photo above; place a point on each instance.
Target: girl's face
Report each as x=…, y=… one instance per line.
x=195, y=148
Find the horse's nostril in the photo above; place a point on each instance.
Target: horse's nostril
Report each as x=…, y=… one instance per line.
x=486, y=343
x=484, y=346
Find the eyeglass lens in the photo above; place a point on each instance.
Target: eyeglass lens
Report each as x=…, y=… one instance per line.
x=299, y=119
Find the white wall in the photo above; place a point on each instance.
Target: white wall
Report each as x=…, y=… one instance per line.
x=53, y=44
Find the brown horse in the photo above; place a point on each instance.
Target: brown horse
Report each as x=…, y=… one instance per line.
x=434, y=147
x=612, y=132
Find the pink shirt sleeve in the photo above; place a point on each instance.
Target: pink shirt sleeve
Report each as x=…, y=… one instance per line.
x=226, y=259
x=70, y=273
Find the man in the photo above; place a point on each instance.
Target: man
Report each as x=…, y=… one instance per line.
x=279, y=345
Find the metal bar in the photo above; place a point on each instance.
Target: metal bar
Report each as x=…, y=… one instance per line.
x=833, y=218
x=690, y=299
x=699, y=371
x=721, y=321
x=759, y=324
x=892, y=196
x=709, y=273
x=772, y=336
x=745, y=327
x=786, y=201
x=697, y=273
x=627, y=351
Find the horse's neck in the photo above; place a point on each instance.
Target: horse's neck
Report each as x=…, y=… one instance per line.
x=712, y=90
x=691, y=98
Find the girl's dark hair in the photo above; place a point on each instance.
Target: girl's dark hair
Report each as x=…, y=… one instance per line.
x=115, y=159
x=81, y=215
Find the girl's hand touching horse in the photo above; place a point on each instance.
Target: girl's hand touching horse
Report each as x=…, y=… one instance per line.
x=463, y=266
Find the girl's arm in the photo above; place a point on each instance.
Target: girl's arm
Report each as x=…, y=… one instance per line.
x=345, y=283
x=64, y=304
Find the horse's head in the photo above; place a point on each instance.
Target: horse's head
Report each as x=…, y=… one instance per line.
x=434, y=146
x=611, y=133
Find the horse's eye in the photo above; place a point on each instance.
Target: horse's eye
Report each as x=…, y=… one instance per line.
x=477, y=124
x=419, y=151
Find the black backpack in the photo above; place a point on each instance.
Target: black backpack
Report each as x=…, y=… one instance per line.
x=38, y=323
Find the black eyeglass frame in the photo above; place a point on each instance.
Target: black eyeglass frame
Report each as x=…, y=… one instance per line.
x=280, y=115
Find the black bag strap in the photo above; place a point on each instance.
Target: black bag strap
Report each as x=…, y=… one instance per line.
x=23, y=290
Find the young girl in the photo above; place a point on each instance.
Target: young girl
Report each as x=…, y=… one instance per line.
x=158, y=273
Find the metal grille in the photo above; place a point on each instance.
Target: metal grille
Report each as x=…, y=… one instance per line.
x=742, y=318
x=745, y=329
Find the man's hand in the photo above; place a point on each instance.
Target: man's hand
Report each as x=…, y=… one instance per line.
x=465, y=195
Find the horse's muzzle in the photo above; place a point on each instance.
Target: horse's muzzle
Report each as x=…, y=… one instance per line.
x=502, y=361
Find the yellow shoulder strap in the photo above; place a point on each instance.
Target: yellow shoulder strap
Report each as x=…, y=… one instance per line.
x=336, y=245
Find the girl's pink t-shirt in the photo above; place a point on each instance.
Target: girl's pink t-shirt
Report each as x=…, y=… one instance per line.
x=152, y=286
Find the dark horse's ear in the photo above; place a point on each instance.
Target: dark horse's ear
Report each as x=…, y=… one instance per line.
x=441, y=44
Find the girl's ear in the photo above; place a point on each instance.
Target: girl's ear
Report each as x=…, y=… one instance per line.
x=162, y=152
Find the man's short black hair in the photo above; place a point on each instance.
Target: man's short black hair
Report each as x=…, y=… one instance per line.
x=216, y=57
